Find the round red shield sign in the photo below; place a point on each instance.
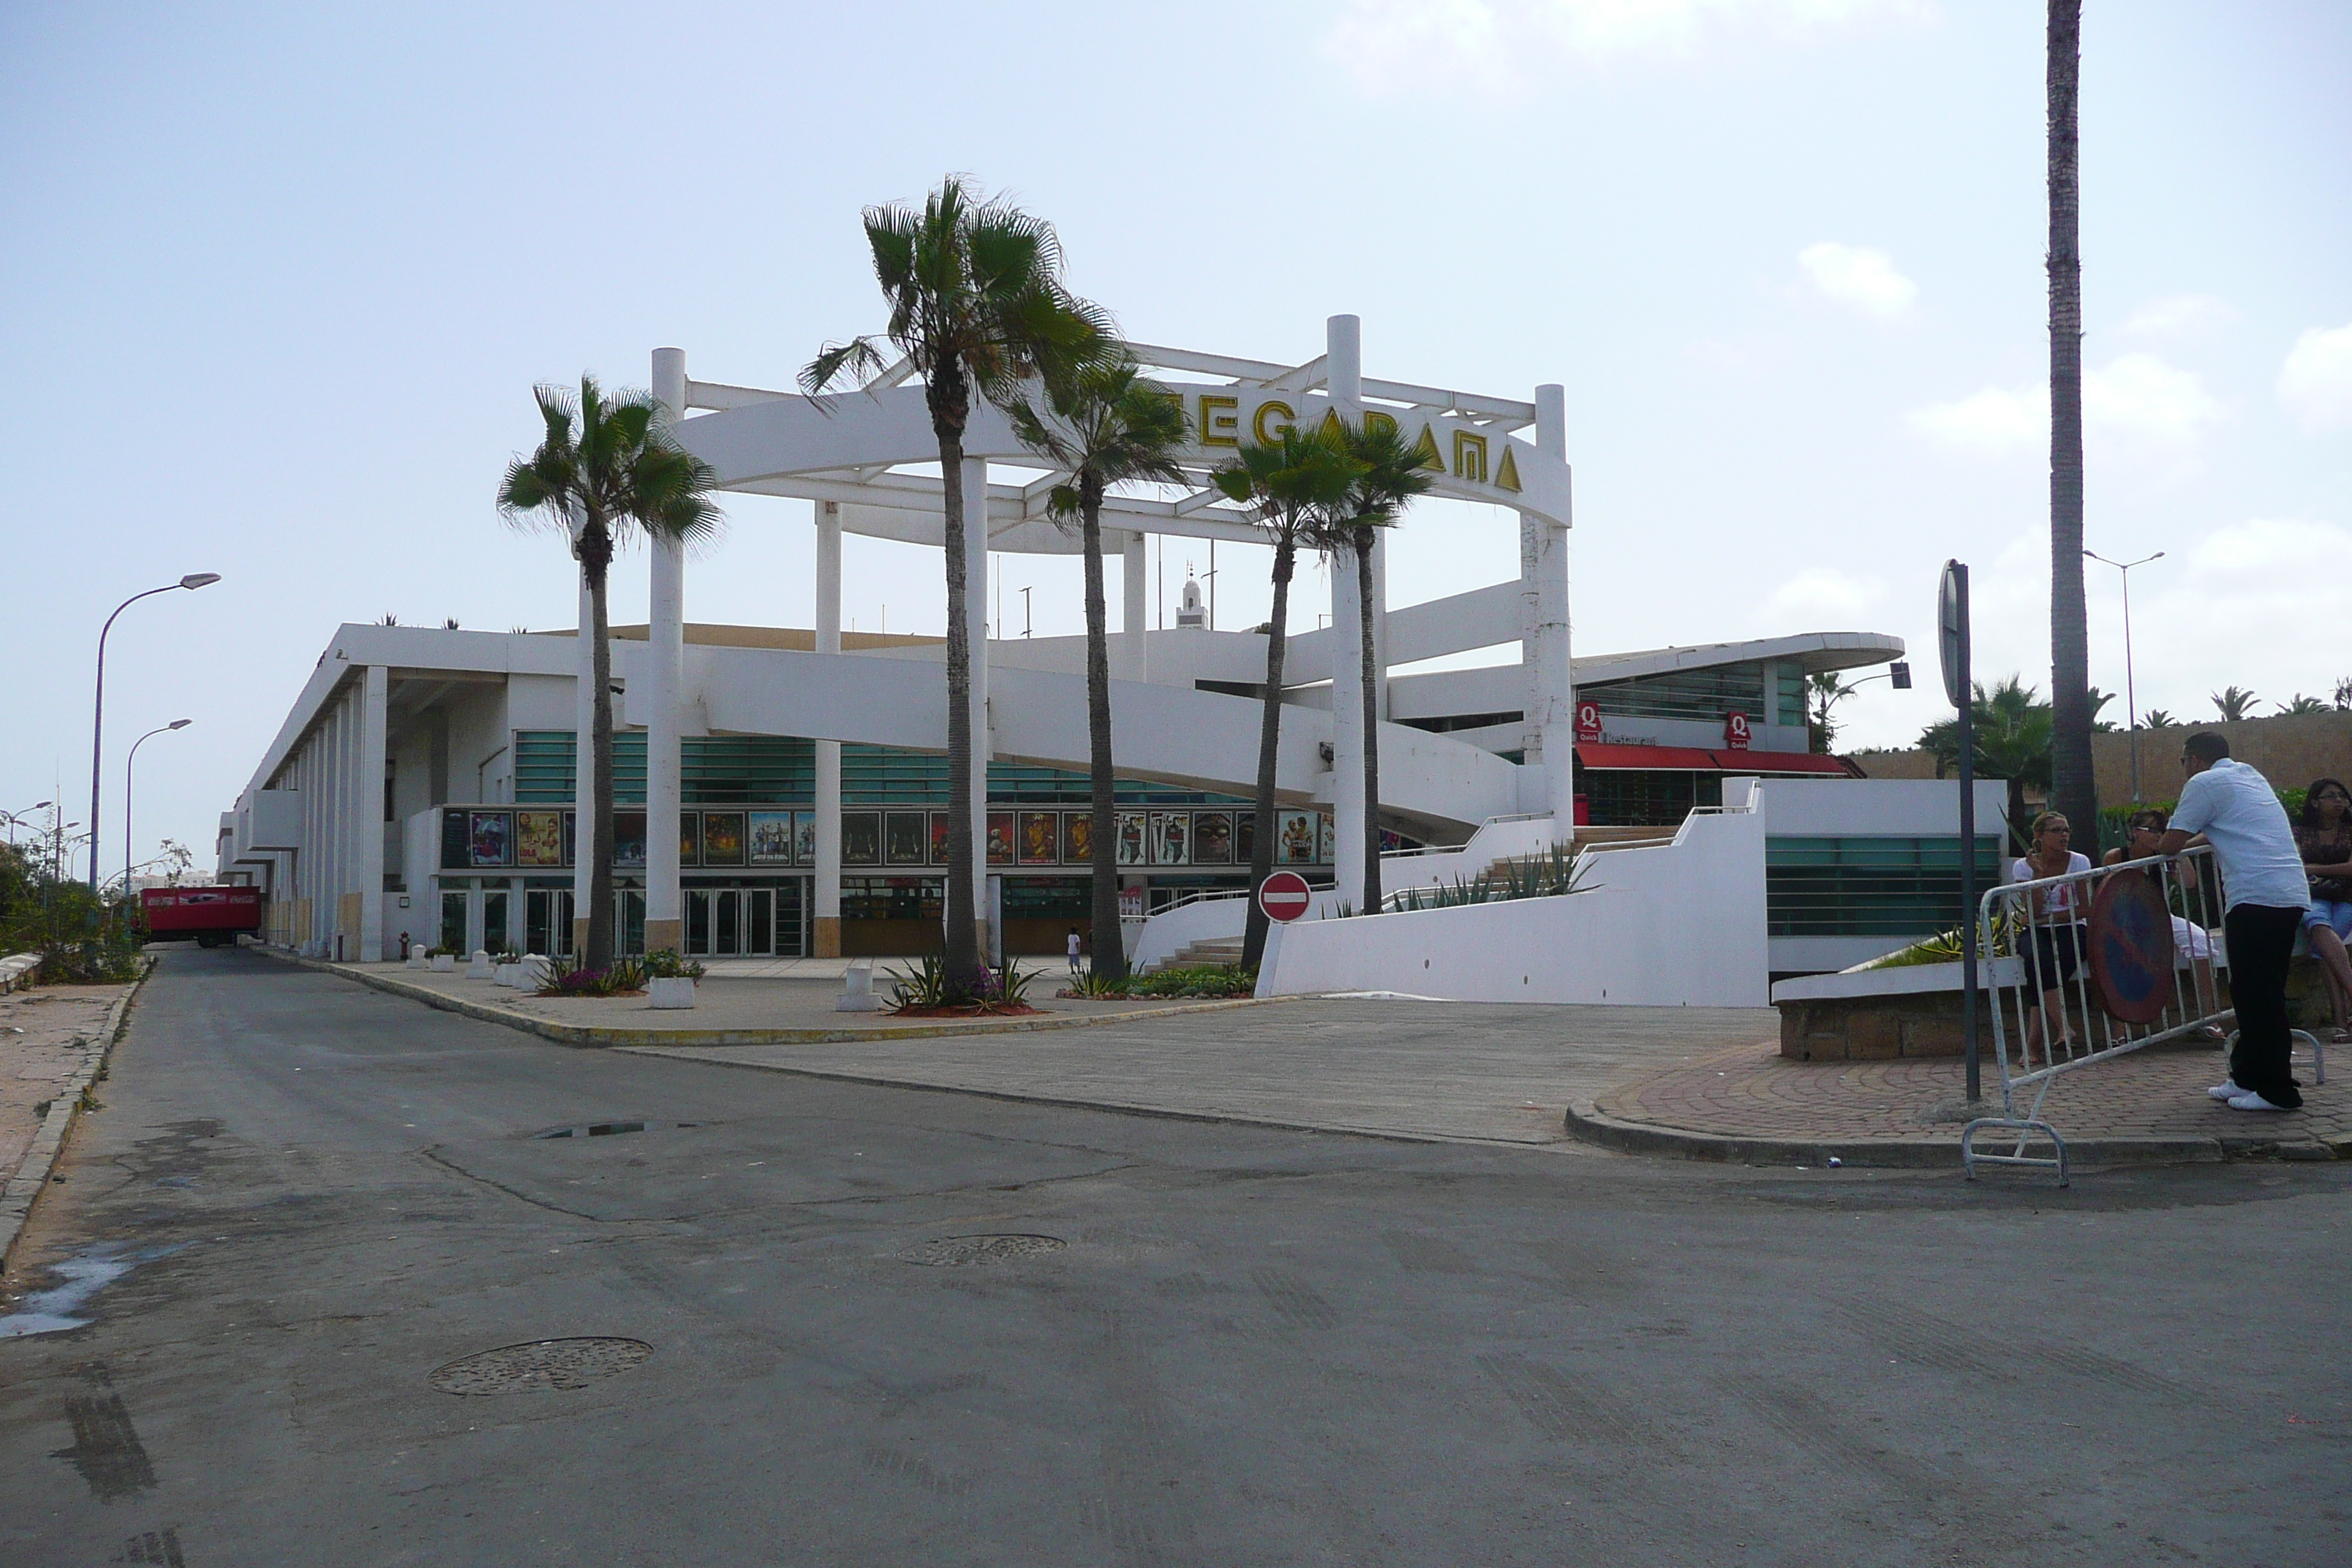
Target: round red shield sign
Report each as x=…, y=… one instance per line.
x=1284, y=896
x=2131, y=948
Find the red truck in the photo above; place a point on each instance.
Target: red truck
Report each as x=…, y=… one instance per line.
x=212, y=915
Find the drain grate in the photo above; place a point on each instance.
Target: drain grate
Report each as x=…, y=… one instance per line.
x=606, y=1129
x=954, y=1251
x=539, y=1366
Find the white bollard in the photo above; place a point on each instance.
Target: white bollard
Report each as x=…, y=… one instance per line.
x=858, y=990
x=480, y=969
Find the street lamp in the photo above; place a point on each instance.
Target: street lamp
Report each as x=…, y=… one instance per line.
x=194, y=580
x=127, y=840
x=14, y=817
x=2131, y=708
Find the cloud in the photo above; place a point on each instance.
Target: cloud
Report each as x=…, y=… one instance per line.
x=2138, y=398
x=2316, y=383
x=1818, y=593
x=1496, y=46
x=1863, y=278
x=2180, y=315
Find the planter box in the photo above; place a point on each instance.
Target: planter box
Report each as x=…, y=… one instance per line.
x=507, y=974
x=669, y=992
x=442, y=962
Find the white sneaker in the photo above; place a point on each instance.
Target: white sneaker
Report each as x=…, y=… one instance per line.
x=2251, y=1102
x=2225, y=1089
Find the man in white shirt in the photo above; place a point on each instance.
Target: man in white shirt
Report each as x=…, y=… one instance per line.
x=2266, y=891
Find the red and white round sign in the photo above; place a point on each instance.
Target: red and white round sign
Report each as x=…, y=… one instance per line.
x=1284, y=896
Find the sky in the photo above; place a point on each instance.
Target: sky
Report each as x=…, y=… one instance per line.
x=279, y=281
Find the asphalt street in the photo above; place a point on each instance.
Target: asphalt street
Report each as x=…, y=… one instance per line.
x=845, y=1324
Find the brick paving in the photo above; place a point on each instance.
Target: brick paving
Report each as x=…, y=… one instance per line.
x=1751, y=1092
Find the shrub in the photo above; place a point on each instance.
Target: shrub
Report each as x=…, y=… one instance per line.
x=663, y=963
x=1199, y=979
x=927, y=987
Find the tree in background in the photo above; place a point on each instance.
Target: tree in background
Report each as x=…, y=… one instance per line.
x=1825, y=690
x=2301, y=705
x=2344, y=693
x=2157, y=719
x=1106, y=423
x=1291, y=484
x=977, y=307
x=2236, y=703
x=2073, y=788
x=606, y=467
x=1388, y=472
x=2013, y=732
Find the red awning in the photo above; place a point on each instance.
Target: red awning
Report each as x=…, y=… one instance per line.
x=1603, y=758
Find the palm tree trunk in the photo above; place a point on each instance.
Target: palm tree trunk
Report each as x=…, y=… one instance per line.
x=1109, y=947
x=963, y=961
x=1372, y=690
x=595, y=558
x=1269, y=741
x=2073, y=788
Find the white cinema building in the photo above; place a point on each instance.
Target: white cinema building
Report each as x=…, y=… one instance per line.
x=426, y=782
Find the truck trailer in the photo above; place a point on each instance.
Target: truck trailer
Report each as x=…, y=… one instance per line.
x=211, y=916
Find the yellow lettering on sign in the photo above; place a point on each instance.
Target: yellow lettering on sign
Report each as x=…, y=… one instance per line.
x=1219, y=423
x=1469, y=457
x=1507, y=476
x=1333, y=428
x=1258, y=430
x=1425, y=452
x=1376, y=420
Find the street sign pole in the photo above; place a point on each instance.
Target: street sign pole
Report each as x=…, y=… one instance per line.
x=1952, y=617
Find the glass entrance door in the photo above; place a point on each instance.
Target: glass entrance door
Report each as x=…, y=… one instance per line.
x=742, y=922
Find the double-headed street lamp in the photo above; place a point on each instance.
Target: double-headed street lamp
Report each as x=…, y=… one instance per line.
x=2131, y=708
x=98, y=708
x=127, y=840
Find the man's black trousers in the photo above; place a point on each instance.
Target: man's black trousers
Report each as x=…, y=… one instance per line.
x=2262, y=940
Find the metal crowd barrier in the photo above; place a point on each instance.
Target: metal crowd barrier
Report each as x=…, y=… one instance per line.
x=2037, y=924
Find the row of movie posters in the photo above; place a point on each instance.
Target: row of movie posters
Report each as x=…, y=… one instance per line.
x=524, y=838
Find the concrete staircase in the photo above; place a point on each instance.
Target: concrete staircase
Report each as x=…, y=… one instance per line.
x=1208, y=950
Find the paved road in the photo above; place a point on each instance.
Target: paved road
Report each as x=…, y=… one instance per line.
x=1254, y=1347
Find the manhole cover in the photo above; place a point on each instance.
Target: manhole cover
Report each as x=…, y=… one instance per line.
x=955, y=1250
x=606, y=1129
x=539, y=1365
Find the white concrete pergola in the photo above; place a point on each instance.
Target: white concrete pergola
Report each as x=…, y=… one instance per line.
x=851, y=455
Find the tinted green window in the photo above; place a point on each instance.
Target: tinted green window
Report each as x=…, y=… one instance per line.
x=1708, y=693
x=1789, y=699
x=1645, y=797
x=544, y=761
x=1868, y=886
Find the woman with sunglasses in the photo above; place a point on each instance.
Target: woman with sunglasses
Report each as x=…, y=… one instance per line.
x=2055, y=951
x=2144, y=840
x=2324, y=836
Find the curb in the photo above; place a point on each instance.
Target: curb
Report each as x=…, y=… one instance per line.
x=1587, y=1122
x=591, y=1036
x=32, y=1178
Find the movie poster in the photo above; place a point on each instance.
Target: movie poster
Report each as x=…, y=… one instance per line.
x=571, y=838
x=1212, y=837
x=629, y=838
x=1327, y=840
x=1171, y=837
x=1130, y=839
x=1077, y=838
x=1040, y=838
x=902, y=837
x=689, y=838
x=1245, y=836
x=723, y=838
x=771, y=838
x=805, y=838
x=538, y=839
x=1295, y=845
x=1000, y=838
x=939, y=839
x=489, y=837
x=861, y=838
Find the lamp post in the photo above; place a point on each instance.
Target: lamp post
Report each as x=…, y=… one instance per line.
x=127, y=840
x=194, y=580
x=14, y=817
x=2131, y=706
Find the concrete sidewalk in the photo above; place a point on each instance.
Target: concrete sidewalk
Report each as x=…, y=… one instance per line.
x=53, y=1042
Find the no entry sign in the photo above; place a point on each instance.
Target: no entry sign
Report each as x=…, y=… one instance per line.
x=1284, y=896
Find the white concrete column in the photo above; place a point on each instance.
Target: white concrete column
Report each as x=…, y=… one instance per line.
x=975, y=537
x=584, y=792
x=826, y=931
x=1556, y=670
x=1531, y=653
x=1135, y=589
x=372, y=739
x=665, y=660
x=1343, y=340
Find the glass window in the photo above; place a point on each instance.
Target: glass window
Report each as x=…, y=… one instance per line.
x=1868, y=886
x=1706, y=694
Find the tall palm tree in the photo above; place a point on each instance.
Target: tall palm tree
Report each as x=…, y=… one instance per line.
x=2236, y=703
x=1106, y=423
x=977, y=306
x=1292, y=483
x=2073, y=789
x=2012, y=730
x=606, y=467
x=1389, y=474
x=1826, y=688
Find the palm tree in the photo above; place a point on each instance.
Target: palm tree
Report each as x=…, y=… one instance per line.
x=1292, y=483
x=1827, y=690
x=1106, y=423
x=2156, y=719
x=2073, y=788
x=619, y=471
x=1388, y=473
x=977, y=305
x=2097, y=700
x=2301, y=705
x=2235, y=702
x=2012, y=733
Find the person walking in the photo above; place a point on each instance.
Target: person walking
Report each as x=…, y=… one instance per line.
x=1077, y=971
x=2265, y=893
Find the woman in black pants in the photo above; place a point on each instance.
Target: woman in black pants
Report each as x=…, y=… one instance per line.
x=2056, y=949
